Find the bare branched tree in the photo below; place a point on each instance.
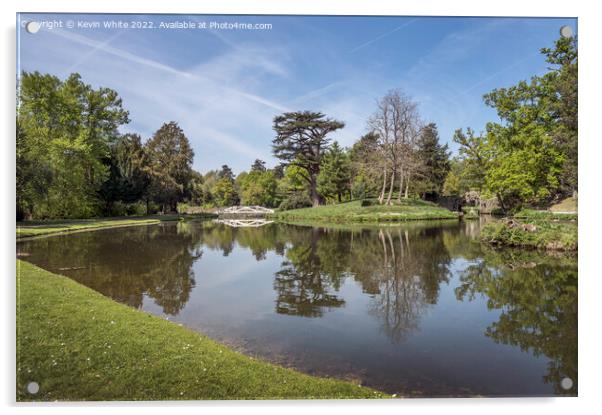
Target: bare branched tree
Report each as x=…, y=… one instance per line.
x=398, y=125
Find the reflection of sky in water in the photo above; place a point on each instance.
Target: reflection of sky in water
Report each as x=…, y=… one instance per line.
x=435, y=345
x=234, y=299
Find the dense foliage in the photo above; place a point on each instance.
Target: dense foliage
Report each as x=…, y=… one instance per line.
x=530, y=156
x=65, y=130
x=72, y=161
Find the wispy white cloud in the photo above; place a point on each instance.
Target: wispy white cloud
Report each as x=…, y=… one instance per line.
x=317, y=93
x=377, y=38
x=213, y=101
x=225, y=87
x=106, y=48
x=494, y=75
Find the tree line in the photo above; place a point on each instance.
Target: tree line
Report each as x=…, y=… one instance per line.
x=528, y=157
x=72, y=161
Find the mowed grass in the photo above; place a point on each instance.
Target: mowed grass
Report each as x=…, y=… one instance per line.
x=79, y=345
x=544, y=215
x=407, y=209
x=554, y=236
x=30, y=229
x=567, y=205
x=564, y=210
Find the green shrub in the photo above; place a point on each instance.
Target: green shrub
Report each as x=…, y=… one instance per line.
x=470, y=212
x=545, y=235
x=497, y=212
x=358, y=190
x=182, y=208
x=136, y=209
x=295, y=201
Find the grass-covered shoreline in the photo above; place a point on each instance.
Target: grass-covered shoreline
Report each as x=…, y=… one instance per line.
x=406, y=210
x=79, y=345
x=536, y=234
x=43, y=228
x=532, y=214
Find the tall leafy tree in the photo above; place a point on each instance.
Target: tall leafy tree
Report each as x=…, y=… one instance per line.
x=535, y=144
x=224, y=193
x=128, y=172
x=543, y=111
x=195, y=193
x=258, y=165
x=226, y=173
x=563, y=107
x=456, y=182
x=366, y=170
x=474, y=156
x=434, y=160
x=209, y=180
x=170, y=165
x=526, y=166
x=302, y=140
x=259, y=188
x=65, y=131
x=335, y=175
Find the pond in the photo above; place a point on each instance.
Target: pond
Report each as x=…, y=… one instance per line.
x=417, y=309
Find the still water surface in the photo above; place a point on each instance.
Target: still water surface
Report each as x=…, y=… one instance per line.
x=418, y=309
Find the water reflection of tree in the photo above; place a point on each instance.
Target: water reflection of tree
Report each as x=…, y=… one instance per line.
x=406, y=274
x=303, y=287
x=537, y=296
x=401, y=267
x=127, y=264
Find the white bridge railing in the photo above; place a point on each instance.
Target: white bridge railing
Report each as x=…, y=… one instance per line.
x=244, y=223
x=245, y=210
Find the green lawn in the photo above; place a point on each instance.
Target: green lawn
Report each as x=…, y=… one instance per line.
x=410, y=209
x=79, y=345
x=556, y=236
x=39, y=228
x=544, y=215
x=567, y=205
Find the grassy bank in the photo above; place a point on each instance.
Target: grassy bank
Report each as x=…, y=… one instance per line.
x=532, y=214
x=564, y=210
x=541, y=235
x=410, y=209
x=79, y=345
x=39, y=228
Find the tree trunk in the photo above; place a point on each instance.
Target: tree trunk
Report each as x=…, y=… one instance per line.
x=407, y=187
x=382, y=192
x=313, y=191
x=391, y=188
x=501, y=200
x=400, y=185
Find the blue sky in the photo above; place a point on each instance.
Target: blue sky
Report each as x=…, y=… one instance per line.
x=224, y=86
